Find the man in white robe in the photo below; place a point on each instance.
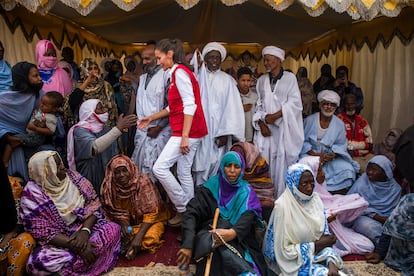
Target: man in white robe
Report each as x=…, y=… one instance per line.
x=151, y=98
x=278, y=117
x=223, y=111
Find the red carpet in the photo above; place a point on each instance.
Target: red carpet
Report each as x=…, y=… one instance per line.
x=353, y=257
x=167, y=254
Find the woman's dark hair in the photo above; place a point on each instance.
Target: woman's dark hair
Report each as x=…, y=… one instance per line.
x=175, y=45
x=20, y=76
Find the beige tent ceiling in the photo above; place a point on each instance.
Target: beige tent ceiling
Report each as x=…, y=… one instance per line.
x=253, y=21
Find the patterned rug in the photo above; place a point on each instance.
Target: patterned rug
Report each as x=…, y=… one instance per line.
x=353, y=268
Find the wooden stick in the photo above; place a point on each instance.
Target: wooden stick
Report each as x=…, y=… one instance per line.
x=210, y=257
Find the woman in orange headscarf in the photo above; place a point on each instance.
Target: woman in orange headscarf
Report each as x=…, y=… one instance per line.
x=130, y=199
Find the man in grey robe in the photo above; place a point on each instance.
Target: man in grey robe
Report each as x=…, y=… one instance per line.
x=151, y=98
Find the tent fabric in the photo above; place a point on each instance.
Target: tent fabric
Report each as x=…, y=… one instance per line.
x=379, y=53
x=365, y=9
x=249, y=26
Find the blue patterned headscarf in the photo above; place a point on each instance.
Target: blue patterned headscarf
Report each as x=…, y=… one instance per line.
x=293, y=175
x=233, y=198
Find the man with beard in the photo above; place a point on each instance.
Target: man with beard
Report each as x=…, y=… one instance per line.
x=223, y=110
x=358, y=133
x=325, y=137
x=278, y=117
x=151, y=97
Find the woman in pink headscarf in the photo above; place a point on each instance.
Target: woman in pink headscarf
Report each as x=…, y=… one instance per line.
x=54, y=78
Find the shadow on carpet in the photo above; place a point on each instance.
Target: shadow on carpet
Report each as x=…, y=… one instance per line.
x=358, y=268
x=163, y=262
x=166, y=254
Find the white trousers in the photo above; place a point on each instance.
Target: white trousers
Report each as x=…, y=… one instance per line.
x=180, y=195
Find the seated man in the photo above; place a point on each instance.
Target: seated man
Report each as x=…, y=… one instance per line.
x=325, y=137
x=343, y=87
x=358, y=132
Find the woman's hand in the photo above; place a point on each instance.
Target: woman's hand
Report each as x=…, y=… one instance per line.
x=127, y=121
x=133, y=248
x=333, y=270
x=331, y=218
x=226, y=234
x=184, y=256
x=324, y=241
x=184, y=146
x=144, y=122
x=89, y=255
x=380, y=218
x=373, y=258
x=79, y=241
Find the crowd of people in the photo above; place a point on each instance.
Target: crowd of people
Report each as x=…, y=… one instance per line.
x=265, y=173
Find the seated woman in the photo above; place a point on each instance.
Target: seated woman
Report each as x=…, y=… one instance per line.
x=258, y=176
x=297, y=240
x=396, y=243
x=129, y=198
x=60, y=209
x=91, y=144
x=382, y=193
x=17, y=107
x=15, y=244
x=325, y=137
x=235, y=250
x=340, y=209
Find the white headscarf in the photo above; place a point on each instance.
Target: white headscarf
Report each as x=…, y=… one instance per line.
x=64, y=194
x=274, y=51
x=297, y=218
x=87, y=119
x=214, y=46
x=329, y=96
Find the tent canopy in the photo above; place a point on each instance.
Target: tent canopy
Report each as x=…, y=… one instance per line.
x=243, y=25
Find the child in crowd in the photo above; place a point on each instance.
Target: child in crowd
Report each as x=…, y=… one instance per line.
x=42, y=124
x=248, y=97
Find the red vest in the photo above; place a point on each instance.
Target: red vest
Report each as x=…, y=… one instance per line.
x=198, y=127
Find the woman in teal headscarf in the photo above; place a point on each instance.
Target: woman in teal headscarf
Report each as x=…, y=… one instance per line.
x=235, y=250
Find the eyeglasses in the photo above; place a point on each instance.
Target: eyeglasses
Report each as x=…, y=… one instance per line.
x=329, y=104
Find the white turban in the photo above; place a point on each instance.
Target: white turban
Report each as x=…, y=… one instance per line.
x=329, y=96
x=274, y=51
x=214, y=46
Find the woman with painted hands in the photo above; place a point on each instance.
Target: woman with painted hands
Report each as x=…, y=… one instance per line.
x=91, y=144
x=297, y=240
